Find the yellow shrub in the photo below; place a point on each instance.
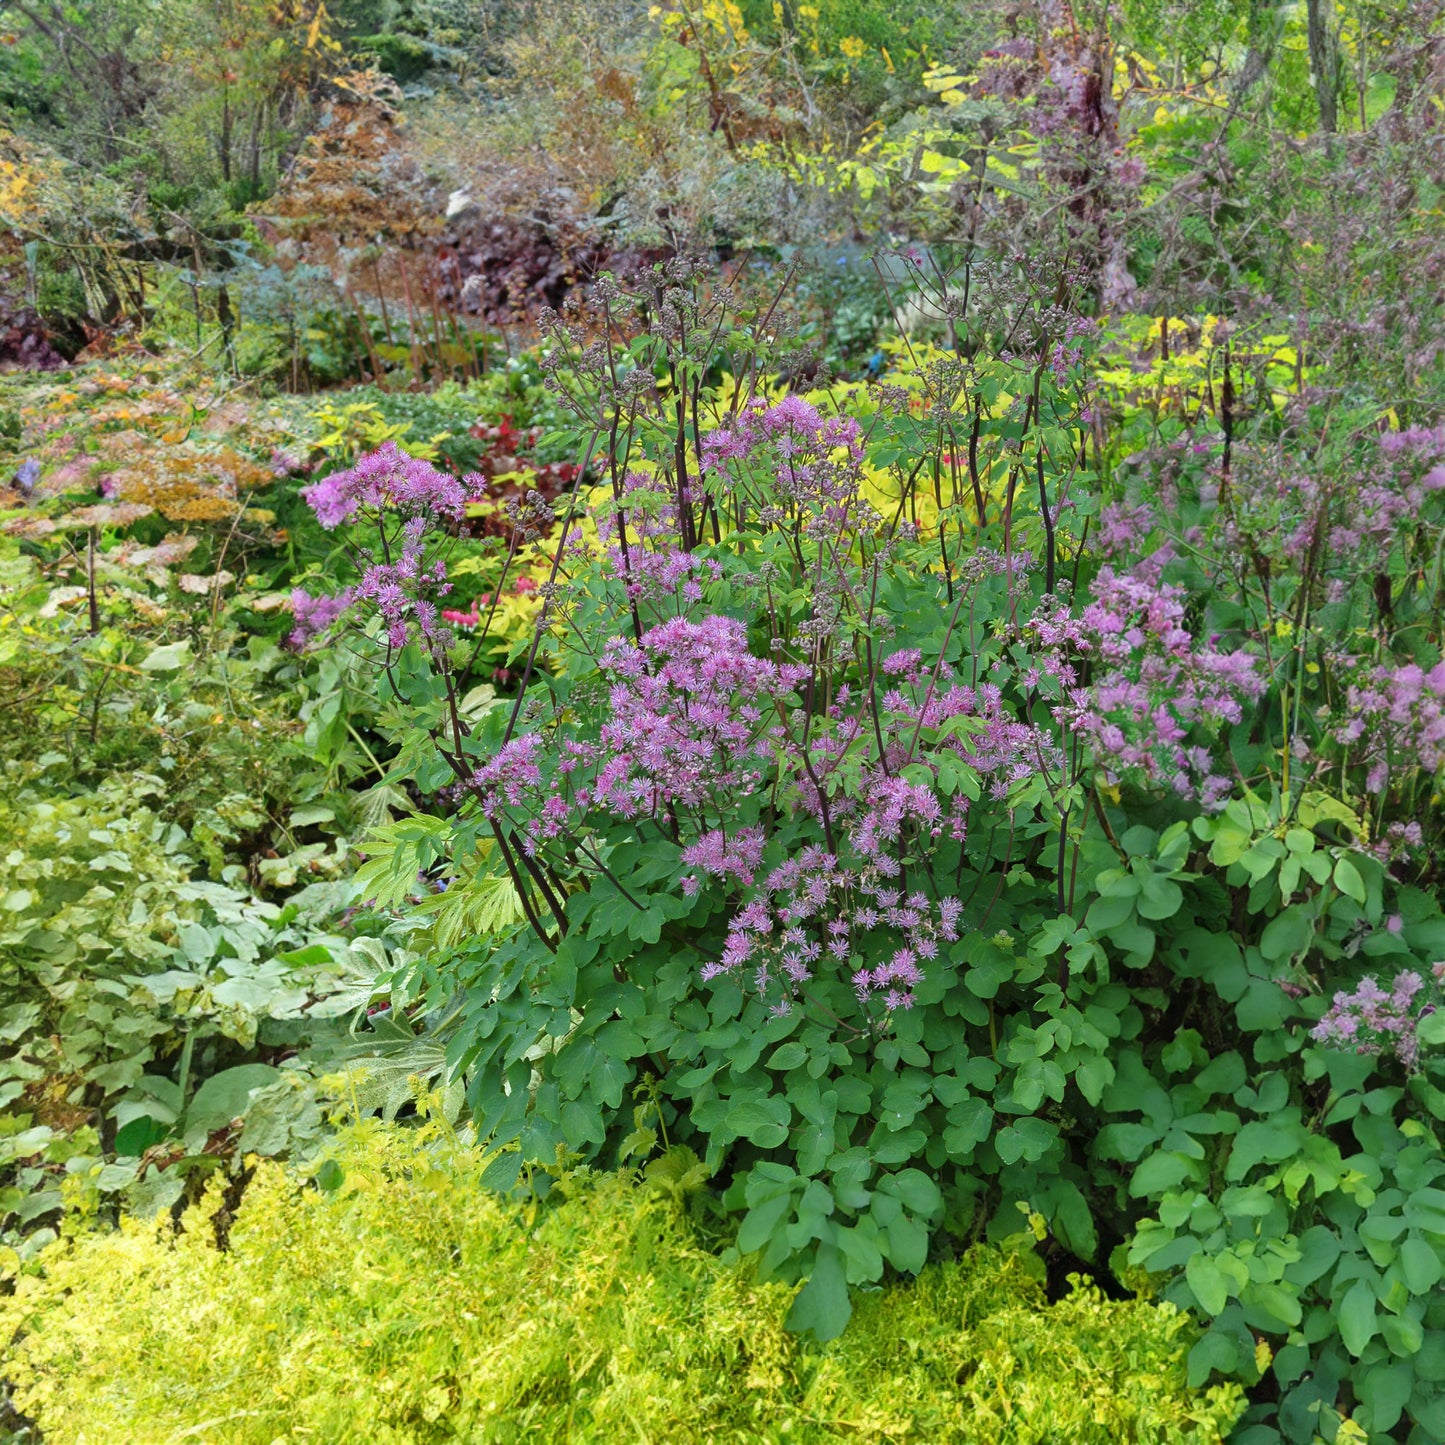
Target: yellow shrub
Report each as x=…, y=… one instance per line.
x=409, y=1305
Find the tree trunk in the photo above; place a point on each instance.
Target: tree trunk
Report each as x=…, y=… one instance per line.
x=257, y=125
x=1322, y=65
x=1263, y=38
x=226, y=134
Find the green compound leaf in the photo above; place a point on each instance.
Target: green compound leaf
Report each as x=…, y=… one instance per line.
x=822, y=1307
x=759, y=1119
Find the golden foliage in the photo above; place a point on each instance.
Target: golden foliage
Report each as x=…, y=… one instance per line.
x=409, y=1304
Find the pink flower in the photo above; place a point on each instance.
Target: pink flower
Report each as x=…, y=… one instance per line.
x=316, y=615
x=386, y=477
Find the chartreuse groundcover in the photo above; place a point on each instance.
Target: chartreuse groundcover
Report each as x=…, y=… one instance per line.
x=409, y=1304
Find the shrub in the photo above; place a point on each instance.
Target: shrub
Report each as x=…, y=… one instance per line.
x=914, y=837
x=407, y=1304
x=120, y=967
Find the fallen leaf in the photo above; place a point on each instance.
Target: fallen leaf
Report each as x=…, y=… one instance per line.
x=197, y=585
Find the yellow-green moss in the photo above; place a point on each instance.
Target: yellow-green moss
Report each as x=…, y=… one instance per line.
x=411, y=1306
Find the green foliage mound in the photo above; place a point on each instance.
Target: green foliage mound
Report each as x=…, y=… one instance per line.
x=406, y=1303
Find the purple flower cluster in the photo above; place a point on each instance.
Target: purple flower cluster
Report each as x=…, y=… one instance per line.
x=922, y=926
x=652, y=566
x=316, y=615
x=1350, y=518
x=812, y=462
x=1148, y=684
x=405, y=585
x=1122, y=527
x=1395, y=719
x=1008, y=70
x=388, y=478
x=407, y=590
x=511, y=777
x=686, y=728
x=1068, y=351
x=663, y=573
x=1418, y=441
x=890, y=804
x=1371, y=1020
x=694, y=725
x=1375, y=509
x=688, y=713
x=992, y=742
x=813, y=908
x=720, y=855
x=1398, y=839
